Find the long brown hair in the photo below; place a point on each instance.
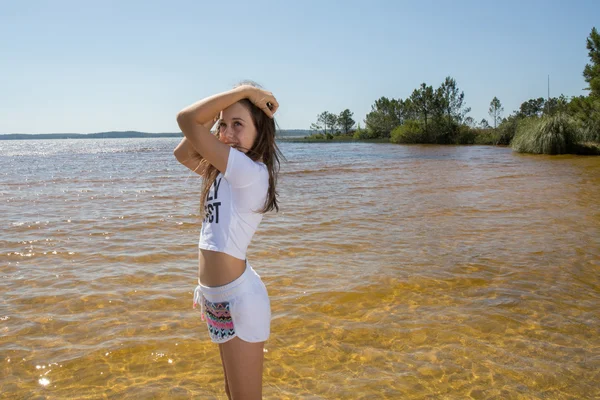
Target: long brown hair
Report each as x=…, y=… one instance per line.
x=264, y=147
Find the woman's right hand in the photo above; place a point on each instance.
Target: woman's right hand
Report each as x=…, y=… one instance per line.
x=261, y=98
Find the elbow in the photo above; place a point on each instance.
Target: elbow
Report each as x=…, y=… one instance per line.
x=177, y=154
x=181, y=156
x=181, y=115
x=183, y=120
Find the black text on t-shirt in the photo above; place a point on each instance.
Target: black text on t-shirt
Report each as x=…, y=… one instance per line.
x=211, y=207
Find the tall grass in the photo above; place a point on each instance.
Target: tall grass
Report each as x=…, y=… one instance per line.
x=590, y=130
x=556, y=134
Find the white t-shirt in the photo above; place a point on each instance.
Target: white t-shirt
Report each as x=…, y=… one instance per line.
x=232, y=205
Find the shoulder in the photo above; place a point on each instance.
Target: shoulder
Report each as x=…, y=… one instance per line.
x=242, y=171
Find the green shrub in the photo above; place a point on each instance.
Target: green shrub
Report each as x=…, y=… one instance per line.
x=466, y=135
x=362, y=134
x=444, y=131
x=589, y=128
x=485, y=136
x=409, y=132
x=507, y=130
x=586, y=111
x=556, y=134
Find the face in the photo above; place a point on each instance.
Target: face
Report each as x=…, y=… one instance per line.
x=236, y=127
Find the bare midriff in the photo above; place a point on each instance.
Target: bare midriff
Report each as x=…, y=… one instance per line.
x=218, y=269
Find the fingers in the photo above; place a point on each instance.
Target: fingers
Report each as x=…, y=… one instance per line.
x=272, y=105
x=267, y=111
x=268, y=103
x=275, y=103
x=269, y=106
x=265, y=101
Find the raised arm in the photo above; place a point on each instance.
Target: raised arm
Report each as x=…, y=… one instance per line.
x=190, y=121
x=187, y=155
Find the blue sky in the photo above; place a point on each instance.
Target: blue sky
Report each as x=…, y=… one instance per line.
x=82, y=66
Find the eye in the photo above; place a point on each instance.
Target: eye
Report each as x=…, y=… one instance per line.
x=237, y=122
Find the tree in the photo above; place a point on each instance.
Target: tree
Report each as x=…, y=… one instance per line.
x=484, y=124
x=345, y=121
x=556, y=104
x=586, y=109
x=495, y=111
x=319, y=126
x=362, y=134
x=451, y=100
x=470, y=122
x=423, y=102
x=532, y=107
x=326, y=122
x=385, y=115
x=539, y=106
x=331, y=121
x=591, y=72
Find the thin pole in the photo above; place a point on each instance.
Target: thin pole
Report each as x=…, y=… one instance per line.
x=548, y=101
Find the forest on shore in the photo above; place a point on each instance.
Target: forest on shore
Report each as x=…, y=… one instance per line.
x=555, y=125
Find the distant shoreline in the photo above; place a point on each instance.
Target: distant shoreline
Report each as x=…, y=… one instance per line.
x=120, y=135
x=336, y=139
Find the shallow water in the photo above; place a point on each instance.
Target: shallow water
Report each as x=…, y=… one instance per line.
x=394, y=272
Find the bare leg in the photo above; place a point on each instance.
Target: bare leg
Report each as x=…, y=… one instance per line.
x=243, y=362
x=224, y=372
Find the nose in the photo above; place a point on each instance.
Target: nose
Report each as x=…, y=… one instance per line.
x=227, y=134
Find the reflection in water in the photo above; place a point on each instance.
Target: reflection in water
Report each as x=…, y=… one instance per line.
x=394, y=271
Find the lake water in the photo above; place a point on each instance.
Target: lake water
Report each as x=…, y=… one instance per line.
x=394, y=272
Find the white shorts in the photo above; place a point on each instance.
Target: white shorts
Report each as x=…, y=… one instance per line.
x=241, y=308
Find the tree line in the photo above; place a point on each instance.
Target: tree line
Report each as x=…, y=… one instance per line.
x=440, y=115
x=329, y=124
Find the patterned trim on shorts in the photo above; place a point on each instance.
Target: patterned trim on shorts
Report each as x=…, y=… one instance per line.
x=218, y=319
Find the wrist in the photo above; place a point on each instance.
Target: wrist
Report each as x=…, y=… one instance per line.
x=242, y=91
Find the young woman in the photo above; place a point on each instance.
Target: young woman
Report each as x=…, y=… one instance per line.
x=239, y=167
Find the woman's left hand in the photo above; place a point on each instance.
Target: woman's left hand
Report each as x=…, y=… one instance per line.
x=261, y=98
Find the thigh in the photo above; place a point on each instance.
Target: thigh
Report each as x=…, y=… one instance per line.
x=243, y=362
